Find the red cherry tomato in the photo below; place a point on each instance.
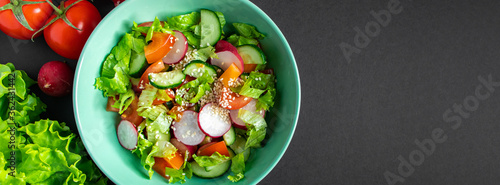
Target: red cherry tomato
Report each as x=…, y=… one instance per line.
x=65, y=40
x=35, y=16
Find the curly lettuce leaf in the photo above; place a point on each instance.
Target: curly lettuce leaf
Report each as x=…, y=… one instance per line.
x=256, y=127
x=145, y=150
x=213, y=160
x=46, y=152
x=114, y=78
x=124, y=101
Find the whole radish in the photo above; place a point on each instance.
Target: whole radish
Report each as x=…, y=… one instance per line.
x=55, y=78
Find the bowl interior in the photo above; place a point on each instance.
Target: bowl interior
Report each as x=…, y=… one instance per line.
x=97, y=127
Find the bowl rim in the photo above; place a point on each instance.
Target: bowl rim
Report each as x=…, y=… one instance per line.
x=286, y=47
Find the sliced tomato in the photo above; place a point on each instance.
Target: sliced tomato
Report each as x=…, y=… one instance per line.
x=231, y=100
x=177, y=110
x=160, y=45
x=249, y=68
x=210, y=148
x=109, y=106
x=153, y=68
x=130, y=114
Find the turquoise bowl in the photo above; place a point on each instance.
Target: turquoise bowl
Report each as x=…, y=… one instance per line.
x=97, y=127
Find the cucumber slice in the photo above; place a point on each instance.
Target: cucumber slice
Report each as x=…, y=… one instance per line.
x=218, y=70
x=210, y=28
x=239, y=146
x=197, y=68
x=138, y=64
x=215, y=171
x=229, y=136
x=251, y=54
x=165, y=80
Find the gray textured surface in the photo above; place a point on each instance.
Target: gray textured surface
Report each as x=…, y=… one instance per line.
x=358, y=117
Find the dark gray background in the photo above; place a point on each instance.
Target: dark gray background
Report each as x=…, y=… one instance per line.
x=356, y=118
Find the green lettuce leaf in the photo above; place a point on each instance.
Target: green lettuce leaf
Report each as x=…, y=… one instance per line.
x=237, y=167
x=261, y=87
x=237, y=40
x=248, y=31
x=222, y=21
x=114, y=78
x=194, y=90
x=147, y=97
x=145, y=150
x=124, y=101
x=213, y=160
x=180, y=174
x=184, y=22
x=256, y=127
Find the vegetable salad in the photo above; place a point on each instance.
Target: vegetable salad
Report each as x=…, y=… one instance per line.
x=192, y=98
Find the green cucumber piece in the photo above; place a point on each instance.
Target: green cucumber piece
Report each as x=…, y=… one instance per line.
x=165, y=80
x=197, y=68
x=239, y=146
x=210, y=28
x=229, y=136
x=251, y=54
x=138, y=64
x=214, y=171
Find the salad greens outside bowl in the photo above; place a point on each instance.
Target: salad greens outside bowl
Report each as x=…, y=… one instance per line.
x=97, y=127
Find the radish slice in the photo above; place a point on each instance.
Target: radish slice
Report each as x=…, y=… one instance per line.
x=251, y=106
x=186, y=130
x=127, y=135
x=227, y=54
x=226, y=58
x=214, y=120
x=178, y=51
x=182, y=148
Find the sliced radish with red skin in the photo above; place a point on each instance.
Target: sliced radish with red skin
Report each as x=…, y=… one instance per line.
x=227, y=54
x=183, y=148
x=251, y=106
x=127, y=135
x=178, y=51
x=214, y=120
x=186, y=130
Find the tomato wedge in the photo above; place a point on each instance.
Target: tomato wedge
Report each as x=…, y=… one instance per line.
x=231, y=100
x=153, y=68
x=130, y=114
x=249, y=68
x=160, y=45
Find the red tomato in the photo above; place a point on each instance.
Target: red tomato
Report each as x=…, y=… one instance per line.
x=65, y=40
x=130, y=114
x=35, y=16
x=160, y=45
x=231, y=100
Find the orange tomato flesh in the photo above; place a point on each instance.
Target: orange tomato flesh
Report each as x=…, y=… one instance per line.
x=230, y=75
x=249, y=68
x=231, y=100
x=161, y=44
x=217, y=147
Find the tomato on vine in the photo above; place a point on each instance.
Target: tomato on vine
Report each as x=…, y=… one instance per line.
x=20, y=19
x=67, y=30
